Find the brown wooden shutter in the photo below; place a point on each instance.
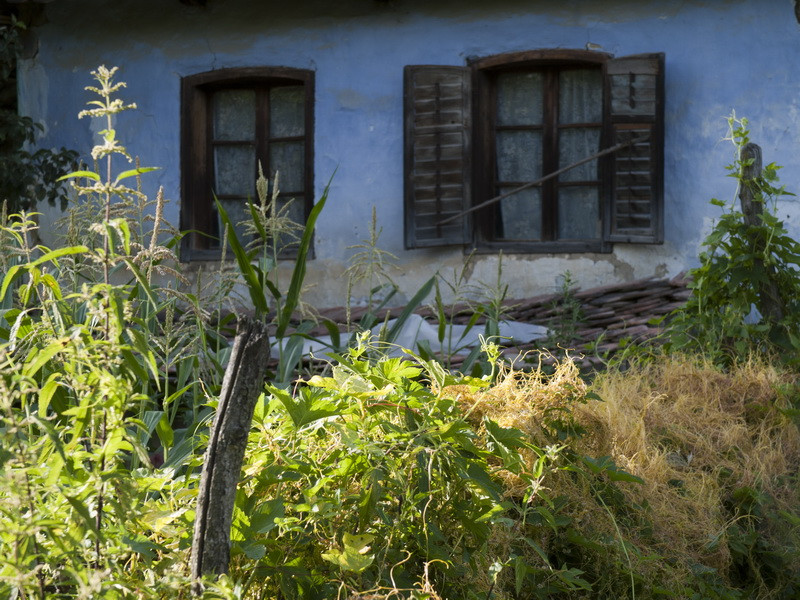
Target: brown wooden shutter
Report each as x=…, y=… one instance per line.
x=635, y=185
x=196, y=203
x=438, y=128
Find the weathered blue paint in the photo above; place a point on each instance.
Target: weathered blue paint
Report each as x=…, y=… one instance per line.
x=720, y=55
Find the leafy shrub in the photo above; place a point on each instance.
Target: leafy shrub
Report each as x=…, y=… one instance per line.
x=395, y=479
x=737, y=262
x=392, y=479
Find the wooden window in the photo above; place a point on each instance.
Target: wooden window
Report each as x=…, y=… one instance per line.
x=478, y=132
x=234, y=119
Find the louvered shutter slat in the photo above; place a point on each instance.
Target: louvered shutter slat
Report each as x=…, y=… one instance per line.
x=437, y=155
x=635, y=101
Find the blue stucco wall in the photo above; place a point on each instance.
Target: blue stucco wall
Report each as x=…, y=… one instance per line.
x=720, y=55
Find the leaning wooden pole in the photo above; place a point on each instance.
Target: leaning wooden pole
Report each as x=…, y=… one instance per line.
x=241, y=386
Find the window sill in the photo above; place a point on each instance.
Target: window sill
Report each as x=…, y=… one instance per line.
x=194, y=256
x=558, y=247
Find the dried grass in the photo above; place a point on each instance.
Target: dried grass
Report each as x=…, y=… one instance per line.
x=694, y=434
x=524, y=400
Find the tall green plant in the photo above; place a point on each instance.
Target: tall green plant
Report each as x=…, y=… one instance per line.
x=371, y=265
x=460, y=291
x=258, y=266
x=167, y=325
x=569, y=314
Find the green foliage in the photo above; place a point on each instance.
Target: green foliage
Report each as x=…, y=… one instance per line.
x=737, y=261
x=564, y=327
x=446, y=336
x=258, y=264
x=27, y=176
x=375, y=480
x=371, y=265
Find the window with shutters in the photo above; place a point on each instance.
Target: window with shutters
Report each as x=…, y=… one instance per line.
x=483, y=140
x=234, y=120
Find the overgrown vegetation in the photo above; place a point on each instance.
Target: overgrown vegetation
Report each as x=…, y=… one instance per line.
x=379, y=477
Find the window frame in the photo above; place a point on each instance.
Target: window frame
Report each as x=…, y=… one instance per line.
x=485, y=71
x=197, y=148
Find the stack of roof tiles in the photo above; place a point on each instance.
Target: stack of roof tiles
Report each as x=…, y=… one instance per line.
x=606, y=316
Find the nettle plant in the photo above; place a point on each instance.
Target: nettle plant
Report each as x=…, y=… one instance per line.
x=729, y=313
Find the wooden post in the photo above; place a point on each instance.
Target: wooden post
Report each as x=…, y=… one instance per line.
x=770, y=305
x=241, y=386
x=750, y=173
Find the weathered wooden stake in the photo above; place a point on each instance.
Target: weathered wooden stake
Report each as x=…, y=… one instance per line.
x=241, y=386
x=771, y=305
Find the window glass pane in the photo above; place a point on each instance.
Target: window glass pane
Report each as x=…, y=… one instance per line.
x=234, y=170
x=519, y=155
x=287, y=111
x=288, y=158
x=234, y=115
x=519, y=217
x=578, y=213
x=519, y=99
x=239, y=214
x=575, y=144
x=580, y=98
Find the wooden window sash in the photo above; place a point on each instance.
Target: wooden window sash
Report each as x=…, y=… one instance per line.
x=549, y=189
x=615, y=127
